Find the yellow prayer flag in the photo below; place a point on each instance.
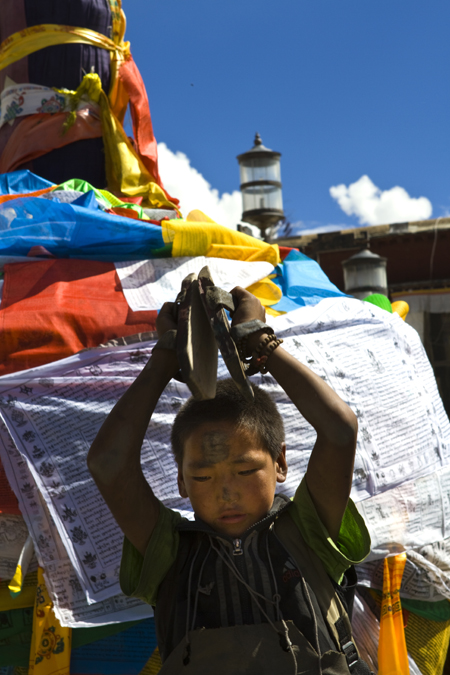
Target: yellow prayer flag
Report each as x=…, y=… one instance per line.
x=392, y=652
x=193, y=238
x=50, y=642
x=31, y=39
x=401, y=308
x=197, y=216
x=125, y=171
x=266, y=291
x=23, y=599
x=274, y=312
x=16, y=583
x=153, y=665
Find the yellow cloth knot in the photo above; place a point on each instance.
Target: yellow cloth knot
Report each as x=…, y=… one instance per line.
x=89, y=90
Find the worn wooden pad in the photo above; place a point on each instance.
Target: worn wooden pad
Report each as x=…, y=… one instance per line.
x=214, y=300
x=196, y=345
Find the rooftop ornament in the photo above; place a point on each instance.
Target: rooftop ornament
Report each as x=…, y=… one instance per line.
x=262, y=200
x=364, y=274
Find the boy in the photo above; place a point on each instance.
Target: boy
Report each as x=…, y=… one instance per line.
x=246, y=587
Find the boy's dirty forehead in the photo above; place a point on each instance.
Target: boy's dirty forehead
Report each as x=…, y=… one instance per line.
x=216, y=434
x=207, y=462
x=210, y=443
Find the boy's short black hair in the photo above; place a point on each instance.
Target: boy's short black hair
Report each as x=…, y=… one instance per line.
x=261, y=416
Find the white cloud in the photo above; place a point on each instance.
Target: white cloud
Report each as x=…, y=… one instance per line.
x=373, y=206
x=194, y=192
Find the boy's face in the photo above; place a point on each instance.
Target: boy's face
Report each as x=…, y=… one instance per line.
x=229, y=477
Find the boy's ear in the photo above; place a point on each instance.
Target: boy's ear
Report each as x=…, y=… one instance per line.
x=181, y=485
x=281, y=464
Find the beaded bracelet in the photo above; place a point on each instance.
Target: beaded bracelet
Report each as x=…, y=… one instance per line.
x=264, y=350
x=264, y=343
x=241, y=345
x=242, y=331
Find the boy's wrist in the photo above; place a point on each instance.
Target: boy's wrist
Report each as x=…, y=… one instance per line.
x=168, y=340
x=263, y=351
x=246, y=335
x=255, y=340
x=163, y=360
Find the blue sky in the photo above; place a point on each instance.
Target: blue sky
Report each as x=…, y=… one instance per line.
x=343, y=89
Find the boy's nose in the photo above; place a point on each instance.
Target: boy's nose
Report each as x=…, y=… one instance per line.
x=228, y=493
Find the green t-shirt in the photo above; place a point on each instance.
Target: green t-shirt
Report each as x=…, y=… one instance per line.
x=141, y=577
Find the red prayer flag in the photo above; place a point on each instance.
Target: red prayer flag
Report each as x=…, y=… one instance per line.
x=142, y=122
x=54, y=308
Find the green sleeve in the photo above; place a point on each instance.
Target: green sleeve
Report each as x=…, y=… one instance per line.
x=353, y=544
x=141, y=576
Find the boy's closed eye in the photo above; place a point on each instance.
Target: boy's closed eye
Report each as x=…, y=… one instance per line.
x=246, y=472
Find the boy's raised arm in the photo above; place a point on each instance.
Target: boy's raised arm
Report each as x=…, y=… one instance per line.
x=114, y=459
x=330, y=469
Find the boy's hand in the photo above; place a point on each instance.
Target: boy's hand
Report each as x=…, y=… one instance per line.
x=166, y=319
x=247, y=307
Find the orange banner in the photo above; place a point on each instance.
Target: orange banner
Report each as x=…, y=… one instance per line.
x=392, y=653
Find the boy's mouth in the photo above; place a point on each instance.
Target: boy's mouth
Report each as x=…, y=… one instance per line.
x=231, y=517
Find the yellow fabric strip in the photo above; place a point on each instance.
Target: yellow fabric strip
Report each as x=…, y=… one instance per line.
x=125, y=172
x=266, y=291
x=15, y=585
x=25, y=599
x=213, y=240
x=237, y=252
x=197, y=216
x=153, y=665
x=428, y=643
x=118, y=97
x=274, y=312
x=25, y=42
x=401, y=308
x=392, y=652
x=118, y=20
x=50, y=642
